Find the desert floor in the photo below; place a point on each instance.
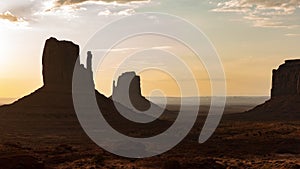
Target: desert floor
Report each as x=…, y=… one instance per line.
x=237, y=143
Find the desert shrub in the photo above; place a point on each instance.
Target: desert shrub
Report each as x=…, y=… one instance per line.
x=294, y=166
x=63, y=148
x=171, y=164
x=286, y=150
x=98, y=159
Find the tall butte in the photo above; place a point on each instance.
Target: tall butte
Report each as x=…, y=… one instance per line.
x=51, y=106
x=285, y=93
x=59, y=59
x=128, y=89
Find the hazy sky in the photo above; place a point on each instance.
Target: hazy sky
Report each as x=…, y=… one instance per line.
x=252, y=37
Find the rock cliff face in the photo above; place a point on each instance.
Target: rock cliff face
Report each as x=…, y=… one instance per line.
x=131, y=81
x=51, y=106
x=285, y=95
x=59, y=58
x=128, y=89
x=286, y=79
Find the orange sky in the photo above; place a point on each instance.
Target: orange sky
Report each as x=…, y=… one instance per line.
x=250, y=41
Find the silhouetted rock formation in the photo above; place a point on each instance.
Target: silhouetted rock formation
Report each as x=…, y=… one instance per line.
x=286, y=79
x=285, y=94
x=59, y=58
x=50, y=108
x=128, y=88
x=128, y=92
x=128, y=80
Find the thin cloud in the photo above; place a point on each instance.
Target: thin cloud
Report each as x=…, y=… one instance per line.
x=161, y=47
x=10, y=17
x=34, y=10
x=130, y=49
x=124, y=12
x=106, y=7
x=72, y=2
x=292, y=35
x=262, y=13
x=114, y=50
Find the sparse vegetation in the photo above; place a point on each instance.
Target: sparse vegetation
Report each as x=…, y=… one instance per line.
x=99, y=159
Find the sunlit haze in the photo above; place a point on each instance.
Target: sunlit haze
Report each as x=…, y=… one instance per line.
x=251, y=38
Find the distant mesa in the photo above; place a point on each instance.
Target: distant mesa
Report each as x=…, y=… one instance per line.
x=286, y=79
x=285, y=94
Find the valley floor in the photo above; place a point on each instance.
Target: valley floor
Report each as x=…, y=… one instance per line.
x=235, y=144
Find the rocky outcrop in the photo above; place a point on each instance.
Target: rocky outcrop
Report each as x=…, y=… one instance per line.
x=128, y=89
x=51, y=106
x=59, y=58
x=286, y=79
x=128, y=80
x=285, y=95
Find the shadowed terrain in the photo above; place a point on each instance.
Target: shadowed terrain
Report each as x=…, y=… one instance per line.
x=41, y=130
x=284, y=103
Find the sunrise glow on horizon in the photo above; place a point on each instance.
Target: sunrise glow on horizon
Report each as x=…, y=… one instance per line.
x=251, y=38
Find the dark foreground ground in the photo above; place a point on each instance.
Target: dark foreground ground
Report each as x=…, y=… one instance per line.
x=236, y=143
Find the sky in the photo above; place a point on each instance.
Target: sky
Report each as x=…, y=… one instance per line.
x=252, y=37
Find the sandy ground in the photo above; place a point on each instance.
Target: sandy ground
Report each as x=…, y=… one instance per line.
x=235, y=144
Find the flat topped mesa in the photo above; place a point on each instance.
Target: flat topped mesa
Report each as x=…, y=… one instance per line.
x=286, y=79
